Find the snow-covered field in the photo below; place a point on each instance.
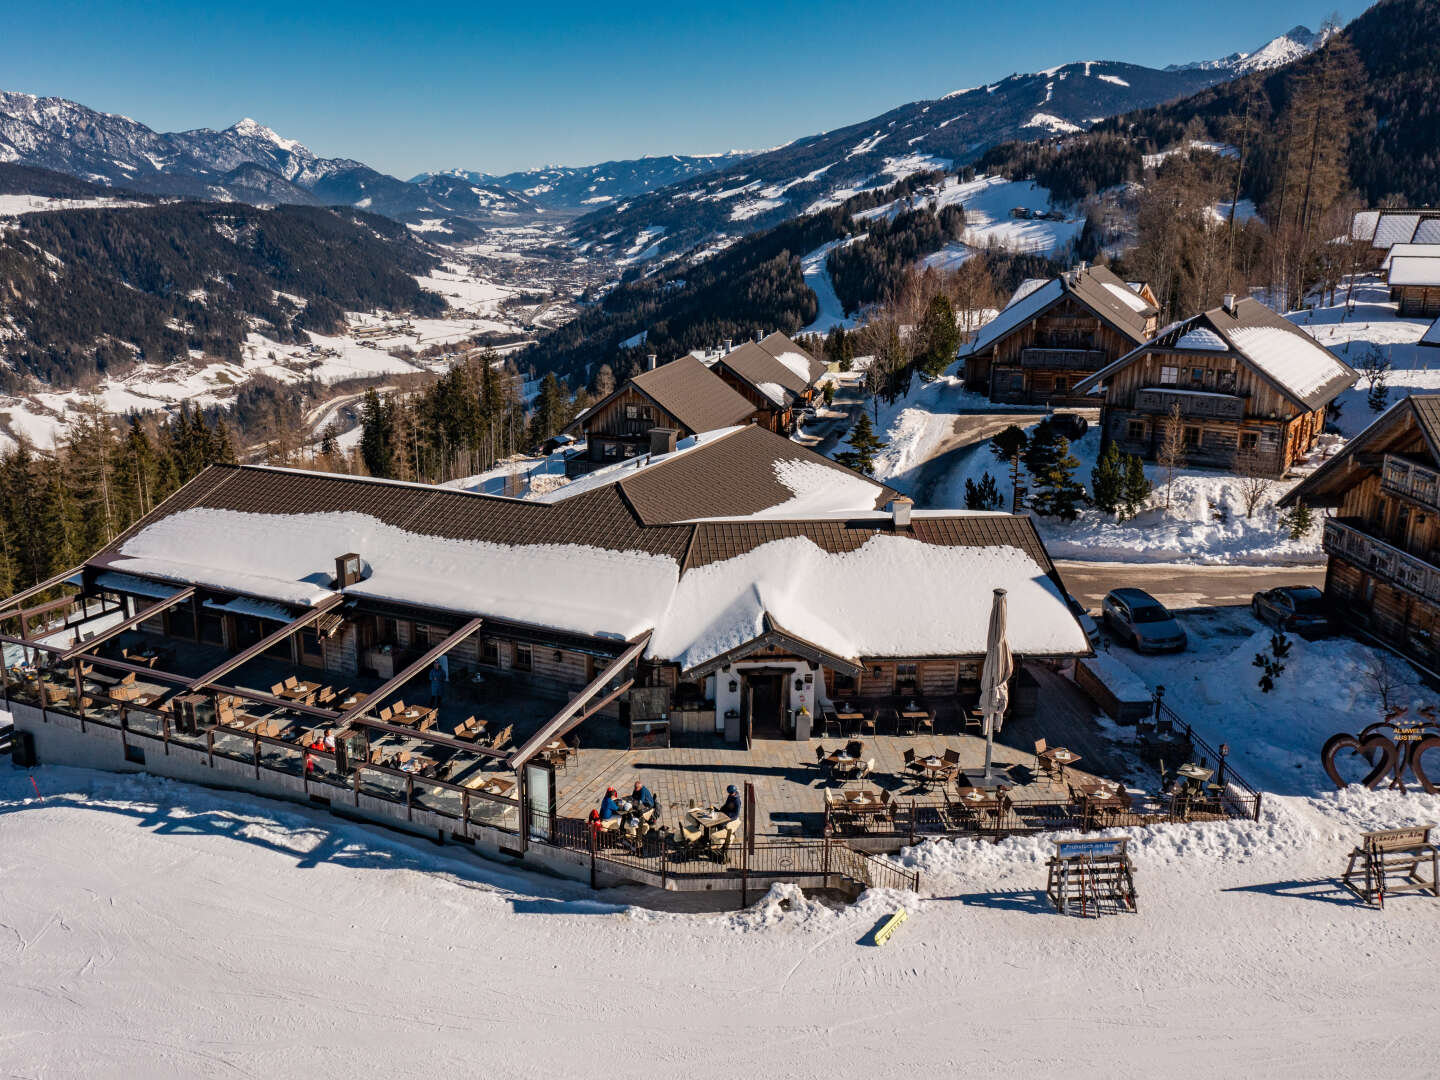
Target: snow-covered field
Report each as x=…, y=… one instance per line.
x=151, y=928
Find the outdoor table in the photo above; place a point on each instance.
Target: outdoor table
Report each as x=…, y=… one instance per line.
x=145, y=700
x=935, y=768
x=709, y=818
x=1194, y=774
x=351, y=700
x=858, y=801
x=849, y=717
x=979, y=798
x=841, y=762
x=414, y=715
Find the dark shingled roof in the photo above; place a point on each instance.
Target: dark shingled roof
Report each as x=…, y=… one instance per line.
x=732, y=476
x=777, y=344
x=694, y=395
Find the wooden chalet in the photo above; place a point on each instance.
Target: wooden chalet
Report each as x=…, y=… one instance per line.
x=1054, y=333
x=1379, y=232
x=1382, y=530
x=775, y=375
x=1414, y=282
x=1251, y=387
x=673, y=401
x=272, y=630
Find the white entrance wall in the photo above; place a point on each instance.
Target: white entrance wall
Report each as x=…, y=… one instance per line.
x=811, y=684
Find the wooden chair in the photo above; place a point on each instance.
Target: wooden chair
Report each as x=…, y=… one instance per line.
x=820, y=754
x=277, y=689
x=291, y=682
x=868, y=725
x=398, y=709
x=910, y=763
x=951, y=757
x=926, y=723
x=498, y=743
x=830, y=724
x=903, y=724
x=973, y=719
x=385, y=713
x=854, y=748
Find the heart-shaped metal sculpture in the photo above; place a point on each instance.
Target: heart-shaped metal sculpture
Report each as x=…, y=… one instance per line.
x=1369, y=742
x=1417, y=749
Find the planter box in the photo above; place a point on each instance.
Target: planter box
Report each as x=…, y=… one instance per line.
x=1113, y=687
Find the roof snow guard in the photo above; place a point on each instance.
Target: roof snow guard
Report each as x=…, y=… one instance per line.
x=1285, y=355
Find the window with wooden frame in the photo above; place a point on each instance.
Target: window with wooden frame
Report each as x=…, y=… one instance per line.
x=1249, y=440
x=907, y=678
x=1169, y=376
x=1192, y=436
x=639, y=412
x=1225, y=382
x=1197, y=376
x=1135, y=430
x=490, y=652
x=524, y=658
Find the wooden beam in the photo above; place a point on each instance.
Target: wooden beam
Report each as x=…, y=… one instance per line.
x=134, y=620
x=8, y=607
x=556, y=723
x=261, y=698
x=426, y=736
x=430, y=656
x=244, y=657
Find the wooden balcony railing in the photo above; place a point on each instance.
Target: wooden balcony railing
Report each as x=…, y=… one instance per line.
x=1063, y=359
x=1193, y=403
x=1410, y=572
x=1401, y=477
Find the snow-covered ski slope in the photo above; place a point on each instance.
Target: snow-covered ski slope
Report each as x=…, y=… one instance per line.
x=153, y=929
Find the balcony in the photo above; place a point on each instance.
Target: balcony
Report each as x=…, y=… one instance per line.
x=1411, y=481
x=1063, y=359
x=1400, y=568
x=1194, y=404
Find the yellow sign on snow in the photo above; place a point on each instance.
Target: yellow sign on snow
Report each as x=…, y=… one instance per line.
x=883, y=934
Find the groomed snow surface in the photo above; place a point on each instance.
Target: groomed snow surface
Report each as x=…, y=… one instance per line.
x=154, y=929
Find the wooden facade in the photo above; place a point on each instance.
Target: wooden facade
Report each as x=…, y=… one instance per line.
x=1231, y=416
x=620, y=427
x=1417, y=301
x=1382, y=535
x=774, y=417
x=1041, y=361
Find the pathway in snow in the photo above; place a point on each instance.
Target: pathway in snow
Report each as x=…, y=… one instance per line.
x=831, y=312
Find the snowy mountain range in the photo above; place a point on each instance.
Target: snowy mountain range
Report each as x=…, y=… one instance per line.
x=823, y=170
x=684, y=199
x=561, y=187
x=1276, y=52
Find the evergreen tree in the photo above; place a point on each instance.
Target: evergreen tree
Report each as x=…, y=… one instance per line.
x=1107, y=480
x=939, y=337
x=1009, y=446
x=864, y=443
x=1052, y=467
x=377, y=434
x=1137, y=486
x=1297, y=521
x=982, y=496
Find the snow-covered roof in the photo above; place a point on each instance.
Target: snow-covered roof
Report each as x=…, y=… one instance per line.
x=840, y=577
x=1395, y=229
x=1420, y=250
x=1202, y=337
x=1095, y=287
x=1362, y=226
x=244, y=605
x=889, y=597
x=775, y=367
x=1428, y=231
x=1414, y=271
x=1281, y=351
x=1432, y=336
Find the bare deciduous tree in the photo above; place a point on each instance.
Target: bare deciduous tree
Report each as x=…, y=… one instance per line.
x=1171, y=455
x=1388, y=678
x=1254, y=484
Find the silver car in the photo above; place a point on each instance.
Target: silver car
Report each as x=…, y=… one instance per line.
x=1136, y=617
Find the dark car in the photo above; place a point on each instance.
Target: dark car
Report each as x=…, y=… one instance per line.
x=1297, y=608
x=1070, y=425
x=1136, y=617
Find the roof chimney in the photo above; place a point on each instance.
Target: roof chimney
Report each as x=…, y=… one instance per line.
x=1229, y=302
x=729, y=344
x=663, y=440
x=347, y=570
x=650, y=361
x=900, y=508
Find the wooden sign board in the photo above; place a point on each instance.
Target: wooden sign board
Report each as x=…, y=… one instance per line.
x=1395, y=839
x=1089, y=849
x=883, y=934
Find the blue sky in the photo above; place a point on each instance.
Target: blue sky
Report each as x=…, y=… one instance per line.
x=420, y=86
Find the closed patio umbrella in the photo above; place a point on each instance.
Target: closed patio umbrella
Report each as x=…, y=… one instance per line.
x=995, y=679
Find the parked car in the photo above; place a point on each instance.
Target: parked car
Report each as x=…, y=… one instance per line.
x=1092, y=632
x=1298, y=608
x=1070, y=425
x=1136, y=617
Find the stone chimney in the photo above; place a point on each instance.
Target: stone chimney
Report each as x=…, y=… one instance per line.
x=729, y=344
x=900, y=508
x=650, y=362
x=663, y=440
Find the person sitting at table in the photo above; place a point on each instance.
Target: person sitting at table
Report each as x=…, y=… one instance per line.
x=437, y=684
x=643, y=797
x=609, y=805
x=731, y=806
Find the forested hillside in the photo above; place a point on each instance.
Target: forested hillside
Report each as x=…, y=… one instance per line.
x=84, y=292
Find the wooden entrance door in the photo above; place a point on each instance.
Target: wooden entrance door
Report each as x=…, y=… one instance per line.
x=766, y=692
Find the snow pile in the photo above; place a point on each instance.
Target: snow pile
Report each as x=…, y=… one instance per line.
x=1204, y=339
x=893, y=596
x=1326, y=687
